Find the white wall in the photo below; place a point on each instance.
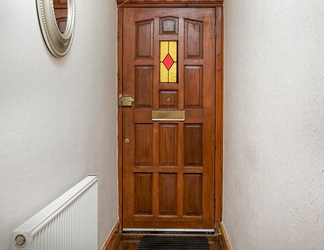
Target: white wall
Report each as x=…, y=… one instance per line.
x=274, y=124
x=57, y=116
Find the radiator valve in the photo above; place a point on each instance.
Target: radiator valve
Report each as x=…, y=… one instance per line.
x=20, y=240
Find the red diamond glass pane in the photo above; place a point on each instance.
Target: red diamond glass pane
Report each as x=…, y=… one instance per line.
x=168, y=61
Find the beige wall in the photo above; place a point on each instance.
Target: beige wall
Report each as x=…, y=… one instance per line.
x=57, y=116
x=274, y=124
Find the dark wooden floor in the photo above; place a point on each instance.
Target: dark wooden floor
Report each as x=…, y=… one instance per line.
x=131, y=242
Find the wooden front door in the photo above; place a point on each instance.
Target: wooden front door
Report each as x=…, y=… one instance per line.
x=168, y=134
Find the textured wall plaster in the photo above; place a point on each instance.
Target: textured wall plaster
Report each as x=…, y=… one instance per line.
x=274, y=124
x=58, y=116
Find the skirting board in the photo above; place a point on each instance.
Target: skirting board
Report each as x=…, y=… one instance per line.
x=225, y=242
x=113, y=238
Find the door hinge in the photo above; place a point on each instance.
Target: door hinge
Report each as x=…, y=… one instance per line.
x=216, y=31
x=125, y=101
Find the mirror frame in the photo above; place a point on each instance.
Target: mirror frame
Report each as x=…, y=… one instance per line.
x=57, y=43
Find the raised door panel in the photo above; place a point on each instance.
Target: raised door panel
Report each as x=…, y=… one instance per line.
x=143, y=194
x=193, y=145
x=143, y=86
x=144, y=39
x=168, y=194
x=143, y=145
x=193, y=39
x=192, y=198
x=193, y=79
x=168, y=145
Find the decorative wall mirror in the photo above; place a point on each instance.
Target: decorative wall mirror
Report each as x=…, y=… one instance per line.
x=57, y=21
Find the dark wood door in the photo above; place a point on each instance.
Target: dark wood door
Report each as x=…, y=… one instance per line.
x=168, y=157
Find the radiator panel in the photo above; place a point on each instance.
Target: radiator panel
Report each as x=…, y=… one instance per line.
x=70, y=222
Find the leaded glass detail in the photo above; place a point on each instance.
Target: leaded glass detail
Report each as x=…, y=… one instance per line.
x=168, y=61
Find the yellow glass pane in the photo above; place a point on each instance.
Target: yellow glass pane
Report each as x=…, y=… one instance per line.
x=173, y=50
x=164, y=73
x=164, y=47
x=173, y=73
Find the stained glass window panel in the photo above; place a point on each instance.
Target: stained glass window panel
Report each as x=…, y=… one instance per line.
x=168, y=61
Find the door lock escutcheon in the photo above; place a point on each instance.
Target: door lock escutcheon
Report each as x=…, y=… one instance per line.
x=125, y=101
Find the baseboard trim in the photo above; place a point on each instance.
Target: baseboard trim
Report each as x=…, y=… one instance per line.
x=113, y=238
x=225, y=242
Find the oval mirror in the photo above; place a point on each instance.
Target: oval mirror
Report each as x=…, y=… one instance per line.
x=57, y=19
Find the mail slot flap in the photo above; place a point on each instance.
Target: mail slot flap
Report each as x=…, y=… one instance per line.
x=168, y=115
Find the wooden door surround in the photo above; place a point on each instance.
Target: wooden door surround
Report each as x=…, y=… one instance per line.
x=218, y=153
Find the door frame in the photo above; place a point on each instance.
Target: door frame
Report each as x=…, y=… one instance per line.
x=219, y=34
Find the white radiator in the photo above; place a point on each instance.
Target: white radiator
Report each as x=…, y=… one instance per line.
x=68, y=223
